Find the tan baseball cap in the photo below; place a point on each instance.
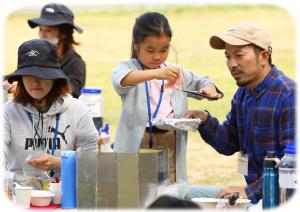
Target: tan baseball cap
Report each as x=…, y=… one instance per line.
x=240, y=34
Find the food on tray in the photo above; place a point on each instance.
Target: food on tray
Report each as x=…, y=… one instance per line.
x=177, y=124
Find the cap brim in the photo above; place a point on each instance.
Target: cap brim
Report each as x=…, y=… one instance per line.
x=41, y=21
x=218, y=41
x=39, y=72
x=78, y=29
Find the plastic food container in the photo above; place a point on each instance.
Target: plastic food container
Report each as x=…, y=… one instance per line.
x=94, y=100
x=41, y=197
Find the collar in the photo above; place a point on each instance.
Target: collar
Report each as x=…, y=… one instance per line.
x=265, y=84
x=70, y=55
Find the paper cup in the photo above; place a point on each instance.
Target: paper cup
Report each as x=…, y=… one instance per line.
x=23, y=196
x=55, y=188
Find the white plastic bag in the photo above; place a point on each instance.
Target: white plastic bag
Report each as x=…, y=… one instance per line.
x=177, y=189
x=29, y=170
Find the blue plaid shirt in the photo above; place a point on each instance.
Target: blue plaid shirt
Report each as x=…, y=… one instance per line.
x=260, y=120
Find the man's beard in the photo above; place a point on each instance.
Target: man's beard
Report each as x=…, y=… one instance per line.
x=241, y=84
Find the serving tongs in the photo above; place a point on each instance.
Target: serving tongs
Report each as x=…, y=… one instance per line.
x=197, y=93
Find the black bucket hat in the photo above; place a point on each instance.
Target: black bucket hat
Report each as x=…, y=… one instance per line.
x=54, y=14
x=37, y=58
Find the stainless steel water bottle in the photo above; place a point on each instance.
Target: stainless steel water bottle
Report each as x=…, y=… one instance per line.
x=270, y=184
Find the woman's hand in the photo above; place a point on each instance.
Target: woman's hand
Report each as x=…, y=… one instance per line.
x=46, y=162
x=10, y=87
x=211, y=91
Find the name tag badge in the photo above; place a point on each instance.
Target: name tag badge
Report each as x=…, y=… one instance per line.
x=242, y=164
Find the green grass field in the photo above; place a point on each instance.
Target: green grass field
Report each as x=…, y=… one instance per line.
x=106, y=41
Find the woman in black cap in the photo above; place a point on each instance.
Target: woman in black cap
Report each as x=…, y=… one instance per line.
x=56, y=24
x=43, y=117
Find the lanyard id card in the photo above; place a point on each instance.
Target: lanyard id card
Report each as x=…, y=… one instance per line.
x=242, y=164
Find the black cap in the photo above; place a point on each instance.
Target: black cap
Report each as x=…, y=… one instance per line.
x=54, y=14
x=37, y=58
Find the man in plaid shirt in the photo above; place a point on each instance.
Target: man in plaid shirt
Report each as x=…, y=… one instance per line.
x=262, y=116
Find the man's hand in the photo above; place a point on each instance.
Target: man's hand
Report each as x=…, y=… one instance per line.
x=46, y=162
x=194, y=114
x=211, y=91
x=228, y=191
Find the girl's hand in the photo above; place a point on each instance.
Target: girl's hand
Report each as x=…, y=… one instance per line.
x=169, y=73
x=211, y=91
x=46, y=162
x=135, y=77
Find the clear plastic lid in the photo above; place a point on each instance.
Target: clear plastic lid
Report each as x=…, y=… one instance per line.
x=290, y=148
x=91, y=90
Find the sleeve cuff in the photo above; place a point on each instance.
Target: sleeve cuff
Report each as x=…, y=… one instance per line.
x=253, y=193
x=207, y=123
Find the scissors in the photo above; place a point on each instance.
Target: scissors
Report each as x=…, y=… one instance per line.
x=197, y=93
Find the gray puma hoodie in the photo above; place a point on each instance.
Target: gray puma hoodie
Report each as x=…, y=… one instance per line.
x=26, y=130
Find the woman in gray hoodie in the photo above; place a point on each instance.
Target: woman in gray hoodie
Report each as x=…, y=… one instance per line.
x=43, y=117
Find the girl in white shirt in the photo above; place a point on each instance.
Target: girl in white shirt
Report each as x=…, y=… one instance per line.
x=146, y=85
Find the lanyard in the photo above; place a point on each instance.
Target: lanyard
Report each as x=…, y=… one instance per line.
x=40, y=136
x=55, y=134
x=158, y=104
x=35, y=127
x=149, y=107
